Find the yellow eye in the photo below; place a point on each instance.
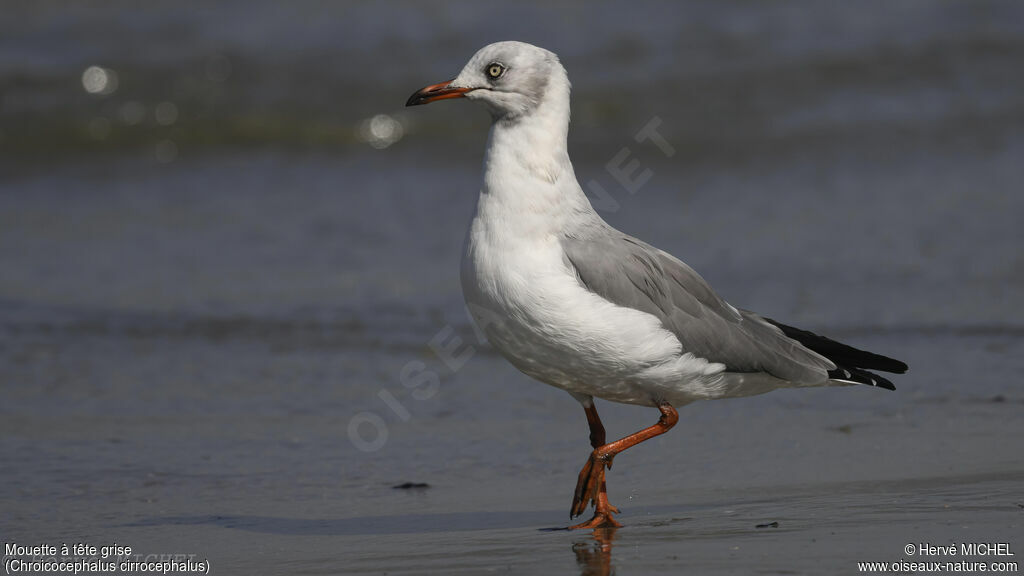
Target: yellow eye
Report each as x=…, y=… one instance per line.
x=495, y=70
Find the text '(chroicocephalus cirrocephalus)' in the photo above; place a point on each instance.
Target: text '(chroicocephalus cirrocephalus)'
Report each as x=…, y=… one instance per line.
x=576, y=304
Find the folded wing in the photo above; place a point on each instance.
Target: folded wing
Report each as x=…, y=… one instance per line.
x=631, y=273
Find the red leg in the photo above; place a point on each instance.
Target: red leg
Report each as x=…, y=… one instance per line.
x=596, y=427
x=590, y=487
x=597, y=439
x=603, y=509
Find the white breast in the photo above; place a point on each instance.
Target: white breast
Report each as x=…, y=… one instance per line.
x=535, y=312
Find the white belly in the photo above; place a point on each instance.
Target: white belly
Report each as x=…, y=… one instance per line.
x=535, y=312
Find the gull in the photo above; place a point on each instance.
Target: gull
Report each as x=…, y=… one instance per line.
x=574, y=303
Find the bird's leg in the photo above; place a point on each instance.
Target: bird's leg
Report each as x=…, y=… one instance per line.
x=590, y=487
x=596, y=427
x=597, y=439
x=593, y=475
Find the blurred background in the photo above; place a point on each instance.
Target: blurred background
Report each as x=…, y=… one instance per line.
x=223, y=237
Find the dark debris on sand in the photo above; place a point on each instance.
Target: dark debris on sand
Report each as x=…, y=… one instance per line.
x=411, y=486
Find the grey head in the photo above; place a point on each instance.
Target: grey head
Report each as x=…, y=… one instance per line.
x=510, y=78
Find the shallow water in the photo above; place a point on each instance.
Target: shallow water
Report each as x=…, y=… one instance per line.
x=186, y=339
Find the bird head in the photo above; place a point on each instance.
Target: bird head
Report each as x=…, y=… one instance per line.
x=509, y=78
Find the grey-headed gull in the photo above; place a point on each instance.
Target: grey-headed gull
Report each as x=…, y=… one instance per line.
x=575, y=303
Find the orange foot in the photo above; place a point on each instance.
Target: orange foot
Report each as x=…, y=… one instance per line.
x=601, y=519
x=591, y=489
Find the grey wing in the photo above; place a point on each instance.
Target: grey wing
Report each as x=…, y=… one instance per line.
x=631, y=273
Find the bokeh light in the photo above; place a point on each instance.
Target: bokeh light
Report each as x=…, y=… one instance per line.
x=381, y=131
x=99, y=80
x=166, y=113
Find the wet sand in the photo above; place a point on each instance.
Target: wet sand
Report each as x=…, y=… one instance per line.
x=255, y=476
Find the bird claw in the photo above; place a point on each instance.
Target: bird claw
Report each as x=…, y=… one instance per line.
x=587, y=485
x=590, y=491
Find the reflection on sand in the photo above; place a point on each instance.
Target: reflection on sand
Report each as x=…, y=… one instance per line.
x=594, y=553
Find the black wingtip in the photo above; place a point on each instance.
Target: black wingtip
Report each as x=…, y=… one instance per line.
x=859, y=376
x=841, y=354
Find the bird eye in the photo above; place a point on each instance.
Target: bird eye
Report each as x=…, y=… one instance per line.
x=495, y=70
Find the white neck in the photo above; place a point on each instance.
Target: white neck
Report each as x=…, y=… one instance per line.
x=529, y=183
